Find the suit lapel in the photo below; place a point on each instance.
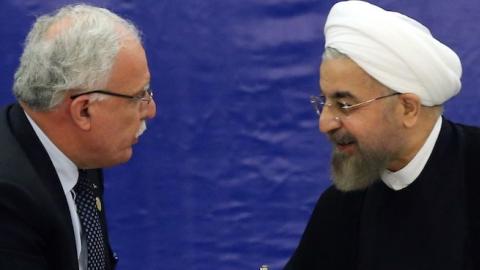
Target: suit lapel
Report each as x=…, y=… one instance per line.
x=43, y=166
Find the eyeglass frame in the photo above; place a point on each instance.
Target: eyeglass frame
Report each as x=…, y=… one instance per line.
x=146, y=97
x=318, y=102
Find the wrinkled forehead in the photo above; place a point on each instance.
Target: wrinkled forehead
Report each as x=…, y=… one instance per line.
x=342, y=77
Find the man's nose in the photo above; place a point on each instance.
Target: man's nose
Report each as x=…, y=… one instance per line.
x=151, y=109
x=328, y=121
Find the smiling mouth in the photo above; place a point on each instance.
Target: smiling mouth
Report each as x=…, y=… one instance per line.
x=345, y=143
x=345, y=147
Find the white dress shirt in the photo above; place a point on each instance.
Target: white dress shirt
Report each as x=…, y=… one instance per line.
x=67, y=172
x=404, y=177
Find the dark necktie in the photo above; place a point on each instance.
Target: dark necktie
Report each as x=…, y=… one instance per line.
x=85, y=200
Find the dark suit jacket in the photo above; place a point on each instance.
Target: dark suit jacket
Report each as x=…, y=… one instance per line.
x=434, y=223
x=36, y=230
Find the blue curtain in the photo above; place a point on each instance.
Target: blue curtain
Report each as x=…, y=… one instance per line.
x=227, y=173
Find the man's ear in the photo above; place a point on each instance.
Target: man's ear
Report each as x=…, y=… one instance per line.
x=411, y=106
x=79, y=111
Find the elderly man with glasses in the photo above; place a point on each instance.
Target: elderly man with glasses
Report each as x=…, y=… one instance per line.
x=404, y=177
x=83, y=98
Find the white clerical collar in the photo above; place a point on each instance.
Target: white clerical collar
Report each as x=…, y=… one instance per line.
x=66, y=170
x=404, y=177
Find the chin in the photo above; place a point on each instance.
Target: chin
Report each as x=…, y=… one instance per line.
x=119, y=159
x=126, y=156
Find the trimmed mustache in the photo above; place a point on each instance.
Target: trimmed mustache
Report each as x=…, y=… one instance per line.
x=339, y=138
x=141, y=129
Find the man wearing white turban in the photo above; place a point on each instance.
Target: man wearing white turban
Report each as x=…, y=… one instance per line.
x=404, y=177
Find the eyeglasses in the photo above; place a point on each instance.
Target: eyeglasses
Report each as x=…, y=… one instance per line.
x=319, y=102
x=145, y=96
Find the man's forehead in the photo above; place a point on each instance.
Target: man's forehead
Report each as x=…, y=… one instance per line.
x=343, y=78
x=342, y=70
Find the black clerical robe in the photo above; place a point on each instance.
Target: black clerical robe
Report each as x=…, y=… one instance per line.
x=433, y=223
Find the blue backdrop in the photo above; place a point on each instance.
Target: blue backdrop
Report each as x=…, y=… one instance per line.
x=229, y=170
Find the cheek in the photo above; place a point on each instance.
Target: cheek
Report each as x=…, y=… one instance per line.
x=120, y=129
x=362, y=131
x=128, y=120
x=369, y=136
x=384, y=138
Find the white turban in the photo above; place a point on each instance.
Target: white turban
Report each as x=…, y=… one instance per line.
x=396, y=50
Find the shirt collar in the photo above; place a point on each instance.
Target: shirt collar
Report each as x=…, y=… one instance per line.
x=402, y=178
x=66, y=170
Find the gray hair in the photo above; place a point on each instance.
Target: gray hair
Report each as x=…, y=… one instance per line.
x=77, y=57
x=332, y=53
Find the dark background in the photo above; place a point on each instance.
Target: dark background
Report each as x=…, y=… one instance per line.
x=229, y=170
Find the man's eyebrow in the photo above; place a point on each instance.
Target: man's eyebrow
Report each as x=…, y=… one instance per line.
x=143, y=89
x=343, y=94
